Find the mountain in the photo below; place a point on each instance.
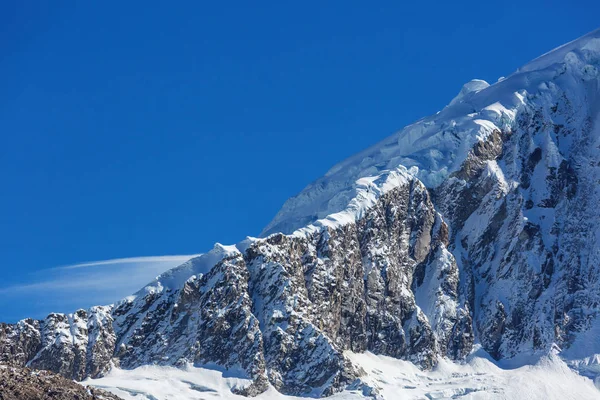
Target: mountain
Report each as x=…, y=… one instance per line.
x=469, y=235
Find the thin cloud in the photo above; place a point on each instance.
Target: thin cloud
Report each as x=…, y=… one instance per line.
x=129, y=260
x=68, y=288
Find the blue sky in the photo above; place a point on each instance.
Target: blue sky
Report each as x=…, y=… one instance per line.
x=138, y=129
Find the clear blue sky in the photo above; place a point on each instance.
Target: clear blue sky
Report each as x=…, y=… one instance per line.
x=139, y=128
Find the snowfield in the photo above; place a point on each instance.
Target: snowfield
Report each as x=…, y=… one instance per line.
x=478, y=378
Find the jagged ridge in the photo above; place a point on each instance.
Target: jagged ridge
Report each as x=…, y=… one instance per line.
x=285, y=309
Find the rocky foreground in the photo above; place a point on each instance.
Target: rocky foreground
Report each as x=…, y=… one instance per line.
x=27, y=384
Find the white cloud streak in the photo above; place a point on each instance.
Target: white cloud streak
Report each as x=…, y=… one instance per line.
x=130, y=260
x=67, y=288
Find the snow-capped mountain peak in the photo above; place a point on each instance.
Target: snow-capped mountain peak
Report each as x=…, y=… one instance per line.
x=470, y=234
x=436, y=146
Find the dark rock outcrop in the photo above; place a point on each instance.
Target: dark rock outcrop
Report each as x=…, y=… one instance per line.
x=26, y=384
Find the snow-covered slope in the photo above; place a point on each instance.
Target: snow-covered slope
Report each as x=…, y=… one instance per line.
x=478, y=378
x=475, y=228
x=434, y=147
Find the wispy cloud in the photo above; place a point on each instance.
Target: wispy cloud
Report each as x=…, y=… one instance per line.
x=131, y=260
x=67, y=288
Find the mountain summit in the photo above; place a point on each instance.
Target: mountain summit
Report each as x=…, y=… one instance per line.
x=470, y=233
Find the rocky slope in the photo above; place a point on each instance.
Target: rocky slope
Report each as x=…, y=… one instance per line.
x=475, y=225
x=27, y=384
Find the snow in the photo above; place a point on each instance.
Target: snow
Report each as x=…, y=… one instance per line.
x=589, y=42
x=157, y=383
x=434, y=147
x=431, y=299
x=478, y=378
x=473, y=86
x=176, y=277
x=363, y=195
x=190, y=383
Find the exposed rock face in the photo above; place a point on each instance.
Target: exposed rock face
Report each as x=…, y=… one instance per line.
x=479, y=221
x=208, y=320
x=76, y=346
x=19, y=343
x=350, y=288
x=27, y=384
x=526, y=234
